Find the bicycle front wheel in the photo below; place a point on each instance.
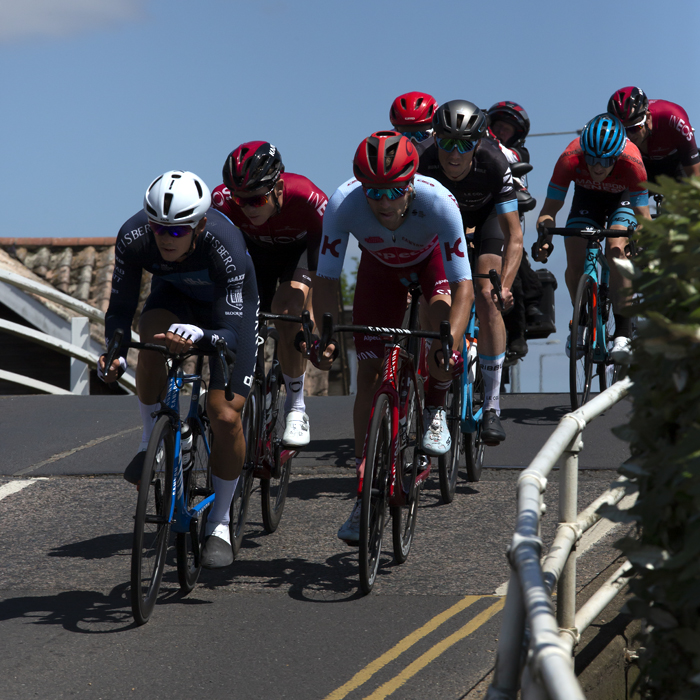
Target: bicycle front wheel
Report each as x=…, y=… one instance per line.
x=403, y=518
x=273, y=491
x=152, y=520
x=241, y=498
x=197, y=486
x=473, y=446
x=375, y=490
x=448, y=464
x=581, y=354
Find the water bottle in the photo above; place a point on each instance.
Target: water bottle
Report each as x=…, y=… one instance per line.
x=186, y=445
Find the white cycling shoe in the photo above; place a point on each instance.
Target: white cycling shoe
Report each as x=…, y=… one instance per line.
x=621, y=352
x=296, y=430
x=350, y=529
x=436, y=436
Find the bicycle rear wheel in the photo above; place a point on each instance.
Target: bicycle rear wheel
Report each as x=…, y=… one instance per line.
x=375, y=490
x=581, y=361
x=197, y=486
x=448, y=464
x=273, y=491
x=241, y=498
x=403, y=518
x=473, y=446
x=152, y=520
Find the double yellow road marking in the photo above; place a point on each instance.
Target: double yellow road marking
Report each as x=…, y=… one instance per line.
x=422, y=661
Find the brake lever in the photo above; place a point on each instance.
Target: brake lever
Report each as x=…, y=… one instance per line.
x=496, y=284
x=447, y=341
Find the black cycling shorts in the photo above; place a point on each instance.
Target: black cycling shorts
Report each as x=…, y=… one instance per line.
x=488, y=238
x=276, y=265
x=600, y=209
x=165, y=296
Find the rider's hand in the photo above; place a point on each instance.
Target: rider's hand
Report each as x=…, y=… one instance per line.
x=116, y=370
x=322, y=361
x=543, y=247
x=180, y=337
x=456, y=365
x=507, y=296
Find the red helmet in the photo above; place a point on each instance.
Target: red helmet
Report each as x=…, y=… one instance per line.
x=252, y=165
x=413, y=108
x=511, y=113
x=628, y=104
x=385, y=158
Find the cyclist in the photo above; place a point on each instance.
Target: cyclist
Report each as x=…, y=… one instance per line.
x=411, y=114
x=607, y=171
x=510, y=125
x=660, y=130
x=203, y=288
x=280, y=215
x=410, y=230
x=476, y=172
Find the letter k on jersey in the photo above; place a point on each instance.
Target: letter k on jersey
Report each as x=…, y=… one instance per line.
x=327, y=245
x=449, y=251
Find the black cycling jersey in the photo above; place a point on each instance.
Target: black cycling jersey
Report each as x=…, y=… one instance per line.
x=218, y=273
x=488, y=183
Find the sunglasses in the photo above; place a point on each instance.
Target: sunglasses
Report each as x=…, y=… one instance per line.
x=418, y=136
x=605, y=162
x=635, y=128
x=176, y=231
x=391, y=193
x=462, y=145
x=256, y=201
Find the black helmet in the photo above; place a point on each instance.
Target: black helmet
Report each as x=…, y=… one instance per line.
x=459, y=119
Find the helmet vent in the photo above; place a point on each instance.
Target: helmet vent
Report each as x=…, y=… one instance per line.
x=199, y=188
x=151, y=210
x=372, y=153
x=403, y=103
x=389, y=155
x=168, y=200
x=184, y=214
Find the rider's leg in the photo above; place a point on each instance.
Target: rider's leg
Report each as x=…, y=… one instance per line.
x=575, y=261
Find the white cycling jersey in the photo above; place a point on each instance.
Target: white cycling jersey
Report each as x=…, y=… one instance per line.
x=433, y=218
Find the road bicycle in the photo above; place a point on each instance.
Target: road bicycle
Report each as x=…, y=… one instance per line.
x=263, y=424
x=395, y=466
x=593, y=315
x=175, y=491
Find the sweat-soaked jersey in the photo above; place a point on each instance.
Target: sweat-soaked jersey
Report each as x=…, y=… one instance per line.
x=628, y=174
x=219, y=272
x=432, y=219
x=298, y=223
x=487, y=185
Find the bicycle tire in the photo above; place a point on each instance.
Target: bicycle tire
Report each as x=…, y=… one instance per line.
x=273, y=491
x=448, y=464
x=375, y=490
x=152, y=520
x=473, y=447
x=238, y=514
x=197, y=486
x=581, y=368
x=403, y=518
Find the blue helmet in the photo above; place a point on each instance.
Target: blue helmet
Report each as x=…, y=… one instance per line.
x=603, y=137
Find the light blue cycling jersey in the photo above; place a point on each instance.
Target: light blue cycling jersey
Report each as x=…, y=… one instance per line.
x=433, y=218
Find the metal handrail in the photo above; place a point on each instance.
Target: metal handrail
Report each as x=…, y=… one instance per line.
x=547, y=650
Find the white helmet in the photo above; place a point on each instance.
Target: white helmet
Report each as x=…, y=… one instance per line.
x=177, y=197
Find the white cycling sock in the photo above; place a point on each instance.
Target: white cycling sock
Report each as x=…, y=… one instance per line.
x=219, y=513
x=491, y=369
x=148, y=422
x=295, y=394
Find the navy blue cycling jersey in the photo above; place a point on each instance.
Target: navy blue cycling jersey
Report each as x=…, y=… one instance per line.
x=218, y=273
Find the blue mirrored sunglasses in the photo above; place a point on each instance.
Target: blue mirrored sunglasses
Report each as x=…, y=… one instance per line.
x=391, y=193
x=605, y=162
x=418, y=136
x=462, y=145
x=174, y=231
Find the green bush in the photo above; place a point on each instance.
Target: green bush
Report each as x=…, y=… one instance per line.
x=664, y=434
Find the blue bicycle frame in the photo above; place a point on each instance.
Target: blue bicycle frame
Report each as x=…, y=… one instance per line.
x=594, y=257
x=470, y=420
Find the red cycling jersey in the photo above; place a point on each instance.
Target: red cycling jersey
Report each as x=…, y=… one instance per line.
x=627, y=174
x=300, y=220
x=671, y=134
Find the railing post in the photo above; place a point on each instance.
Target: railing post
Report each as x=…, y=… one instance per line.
x=79, y=371
x=568, y=513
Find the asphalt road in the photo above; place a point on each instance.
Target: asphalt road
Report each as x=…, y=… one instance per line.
x=285, y=620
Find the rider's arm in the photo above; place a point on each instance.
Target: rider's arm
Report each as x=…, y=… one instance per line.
x=548, y=214
x=462, y=299
x=692, y=170
x=513, y=251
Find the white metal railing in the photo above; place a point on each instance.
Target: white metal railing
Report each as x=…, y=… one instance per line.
x=540, y=662
x=80, y=355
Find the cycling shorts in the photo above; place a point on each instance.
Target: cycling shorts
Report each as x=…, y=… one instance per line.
x=488, y=238
x=273, y=266
x=381, y=296
x=165, y=296
x=600, y=210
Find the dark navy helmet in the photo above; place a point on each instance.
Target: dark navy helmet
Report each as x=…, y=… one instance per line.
x=603, y=137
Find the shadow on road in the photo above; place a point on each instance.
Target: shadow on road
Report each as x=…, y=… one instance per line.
x=549, y=415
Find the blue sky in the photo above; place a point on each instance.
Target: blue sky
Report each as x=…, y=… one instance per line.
x=101, y=97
